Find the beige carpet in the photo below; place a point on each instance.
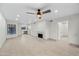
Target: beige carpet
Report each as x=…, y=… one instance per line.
x=31, y=46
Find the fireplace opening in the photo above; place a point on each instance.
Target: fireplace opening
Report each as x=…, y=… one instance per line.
x=40, y=35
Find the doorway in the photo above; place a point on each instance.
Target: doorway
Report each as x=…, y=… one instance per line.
x=63, y=30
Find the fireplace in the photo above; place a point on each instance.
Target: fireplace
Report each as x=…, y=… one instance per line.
x=40, y=35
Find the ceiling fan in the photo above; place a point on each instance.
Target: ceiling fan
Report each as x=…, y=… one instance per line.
x=39, y=12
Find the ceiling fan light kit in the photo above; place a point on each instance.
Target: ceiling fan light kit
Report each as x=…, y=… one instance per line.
x=39, y=16
x=39, y=13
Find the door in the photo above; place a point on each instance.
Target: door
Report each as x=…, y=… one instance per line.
x=63, y=30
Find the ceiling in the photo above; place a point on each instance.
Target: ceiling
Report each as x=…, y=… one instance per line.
x=11, y=10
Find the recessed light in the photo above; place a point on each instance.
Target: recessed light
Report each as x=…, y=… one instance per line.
x=56, y=11
x=17, y=19
x=18, y=15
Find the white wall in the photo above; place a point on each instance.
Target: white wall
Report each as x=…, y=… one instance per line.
x=74, y=29
x=39, y=27
x=18, y=29
x=49, y=29
x=2, y=30
x=53, y=30
x=62, y=29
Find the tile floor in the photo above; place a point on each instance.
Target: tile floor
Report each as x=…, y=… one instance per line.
x=26, y=45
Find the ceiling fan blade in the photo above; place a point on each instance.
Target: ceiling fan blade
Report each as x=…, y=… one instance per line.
x=30, y=13
x=47, y=11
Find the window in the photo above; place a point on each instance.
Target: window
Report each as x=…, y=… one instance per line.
x=11, y=29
